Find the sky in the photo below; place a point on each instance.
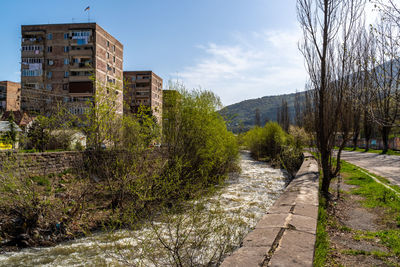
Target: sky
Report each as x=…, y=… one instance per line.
x=239, y=49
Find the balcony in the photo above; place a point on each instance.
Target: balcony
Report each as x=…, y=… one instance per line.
x=32, y=79
x=82, y=66
x=82, y=52
x=81, y=88
x=32, y=53
x=143, y=81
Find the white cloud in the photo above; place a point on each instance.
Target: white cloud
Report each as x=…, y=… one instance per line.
x=256, y=65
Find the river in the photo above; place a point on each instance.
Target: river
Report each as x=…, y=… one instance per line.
x=235, y=209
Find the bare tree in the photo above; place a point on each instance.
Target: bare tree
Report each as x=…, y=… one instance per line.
x=258, y=117
x=328, y=26
x=386, y=79
x=297, y=109
x=283, y=116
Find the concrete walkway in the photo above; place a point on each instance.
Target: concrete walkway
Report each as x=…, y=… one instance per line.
x=386, y=166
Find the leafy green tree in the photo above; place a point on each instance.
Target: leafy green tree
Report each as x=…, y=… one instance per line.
x=11, y=134
x=38, y=133
x=200, y=148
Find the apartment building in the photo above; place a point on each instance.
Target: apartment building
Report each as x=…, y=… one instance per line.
x=10, y=96
x=143, y=88
x=60, y=62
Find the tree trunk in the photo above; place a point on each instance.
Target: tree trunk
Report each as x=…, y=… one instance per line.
x=385, y=138
x=326, y=179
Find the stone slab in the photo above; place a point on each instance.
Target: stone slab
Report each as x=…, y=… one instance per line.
x=295, y=249
x=272, y=221
x=303, y=223
x=308, y=210
x=261, y=237
x=246, y=257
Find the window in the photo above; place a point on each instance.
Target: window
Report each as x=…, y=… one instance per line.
x=32, y=60
x=32, y=48
x=66, y=74
x=49, y=74
x=108, y=67
x=114, y=48
x=50, y=36
x=49, y=49
x=65, y=86
x=66, y=49
x=49, y=87
x=31, y=73
x=108, y=43
x=108, y=55
x=114, y=59
x=113, y=70
x=66, y=35
x=50, y=62
x=66, y=61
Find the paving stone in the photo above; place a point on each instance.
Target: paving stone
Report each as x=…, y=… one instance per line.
x=279, y=209
x=246, y=257
x=272, y=221
x=295, y=249
x=303, y=223
x=261, y=237
x=308, y=210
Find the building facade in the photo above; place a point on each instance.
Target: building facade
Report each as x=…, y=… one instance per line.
x=143, y=88
x=10, y=96
x=68, y=63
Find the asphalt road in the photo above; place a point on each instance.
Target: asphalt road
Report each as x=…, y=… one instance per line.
x=383, y=165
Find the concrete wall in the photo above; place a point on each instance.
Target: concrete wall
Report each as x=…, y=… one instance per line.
x=285, y=236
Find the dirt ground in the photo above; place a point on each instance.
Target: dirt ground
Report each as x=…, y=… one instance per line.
x=347, y=219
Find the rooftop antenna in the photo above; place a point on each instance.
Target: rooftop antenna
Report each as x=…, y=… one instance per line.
x=88, y=12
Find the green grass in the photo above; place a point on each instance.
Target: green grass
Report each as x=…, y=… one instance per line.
x=389, y=238
x=376, y=151
x=376, y=195
x=322, y=239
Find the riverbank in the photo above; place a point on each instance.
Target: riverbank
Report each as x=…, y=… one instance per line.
x=293, y=217
x=236, y=206
x=361, y=226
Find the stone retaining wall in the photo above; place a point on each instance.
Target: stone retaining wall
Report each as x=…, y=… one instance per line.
x=28, y=164
x=285, y=236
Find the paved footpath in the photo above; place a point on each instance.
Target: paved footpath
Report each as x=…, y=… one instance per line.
x=387, y=166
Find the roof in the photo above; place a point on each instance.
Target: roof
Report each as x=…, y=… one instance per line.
x=5, y=126
x=21, y=118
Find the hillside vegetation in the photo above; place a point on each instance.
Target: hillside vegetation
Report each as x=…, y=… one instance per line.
x=241, y=116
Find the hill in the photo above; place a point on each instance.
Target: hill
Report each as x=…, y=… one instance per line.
x=241, y=116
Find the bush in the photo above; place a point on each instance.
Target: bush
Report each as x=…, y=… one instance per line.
x=272, y=143
x=201, y=150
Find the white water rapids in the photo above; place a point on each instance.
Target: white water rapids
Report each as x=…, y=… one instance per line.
x=248, y=195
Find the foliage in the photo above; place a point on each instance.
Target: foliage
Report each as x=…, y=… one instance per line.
x=199, y=146
x=11, y=134
x=242, y=113
x=38, y=133
x=272, y=143
x=101, y=121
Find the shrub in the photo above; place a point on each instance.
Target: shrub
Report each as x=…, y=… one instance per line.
x=272, y=143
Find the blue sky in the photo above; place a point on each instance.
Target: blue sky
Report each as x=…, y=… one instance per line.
x=239, y=49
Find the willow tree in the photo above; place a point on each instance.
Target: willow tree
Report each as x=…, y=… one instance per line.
x=328, y=27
